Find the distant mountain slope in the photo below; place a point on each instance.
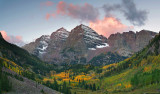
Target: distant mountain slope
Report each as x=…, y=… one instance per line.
x=20, y=80
x=137, y=74
x=127, y=43
x=106, y=59
x=21, y=57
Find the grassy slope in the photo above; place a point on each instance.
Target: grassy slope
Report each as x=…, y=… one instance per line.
x=22, y=58
x=145, y=62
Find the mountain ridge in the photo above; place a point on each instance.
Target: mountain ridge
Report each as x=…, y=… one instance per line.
x=84, y=43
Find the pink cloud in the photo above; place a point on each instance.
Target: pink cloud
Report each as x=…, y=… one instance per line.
x=5, y=36
x=13, y=39
x=108, y=26
x=48, y=16
x=62, y=8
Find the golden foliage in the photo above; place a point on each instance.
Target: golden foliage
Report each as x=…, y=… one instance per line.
x=146, y=69
x=110, y=65
x=128, y=86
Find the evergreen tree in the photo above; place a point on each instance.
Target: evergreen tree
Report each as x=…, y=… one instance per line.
x=5, y=84
x=64, y=87
x=55, y=85
x=86, y=86
x=79, y=82
x=94, y=87
x=98, y=88
x=69, y=82
x=90, y=87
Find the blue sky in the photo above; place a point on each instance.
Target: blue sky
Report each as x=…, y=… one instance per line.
x=27, y=18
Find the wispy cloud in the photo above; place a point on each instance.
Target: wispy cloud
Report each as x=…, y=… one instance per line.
x=129, y=10
x=134, y=15
x=84, y=12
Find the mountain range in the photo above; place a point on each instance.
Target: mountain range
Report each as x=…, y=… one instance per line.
x=82, y=44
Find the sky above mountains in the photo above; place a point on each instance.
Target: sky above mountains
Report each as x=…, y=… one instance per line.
x=24, y=20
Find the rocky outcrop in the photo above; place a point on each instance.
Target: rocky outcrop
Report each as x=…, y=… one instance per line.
x=127, y=43
x=81, y=42
x=48, y=48
x=55, y=46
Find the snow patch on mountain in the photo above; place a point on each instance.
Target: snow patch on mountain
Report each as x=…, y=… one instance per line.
x=61, y=33
x=91, y=49
x=102, y=46
x=43, y=44
x=90, y=32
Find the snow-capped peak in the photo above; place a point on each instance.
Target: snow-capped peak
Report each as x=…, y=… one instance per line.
x=91, y=37
x=86, y=28
x=62, y=30
x=43, y=44
x=61, y=33
x=45, y=37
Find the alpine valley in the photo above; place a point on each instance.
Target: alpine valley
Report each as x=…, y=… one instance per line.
x=79, y=47
x=82, y=61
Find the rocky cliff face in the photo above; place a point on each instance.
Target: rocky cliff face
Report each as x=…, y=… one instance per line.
x=48, y=47
x=55, y=46
x=38, y=47
x=127, y=43
x=82, y=44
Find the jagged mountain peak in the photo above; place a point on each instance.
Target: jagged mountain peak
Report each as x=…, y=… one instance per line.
x=91, y=38
x=83, y=28
x=62, y=29
x=61, y=33
x=42, y=45
x=43, y=38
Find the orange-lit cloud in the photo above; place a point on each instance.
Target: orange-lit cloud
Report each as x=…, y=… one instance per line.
x=108, y=26
x=13, y=39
